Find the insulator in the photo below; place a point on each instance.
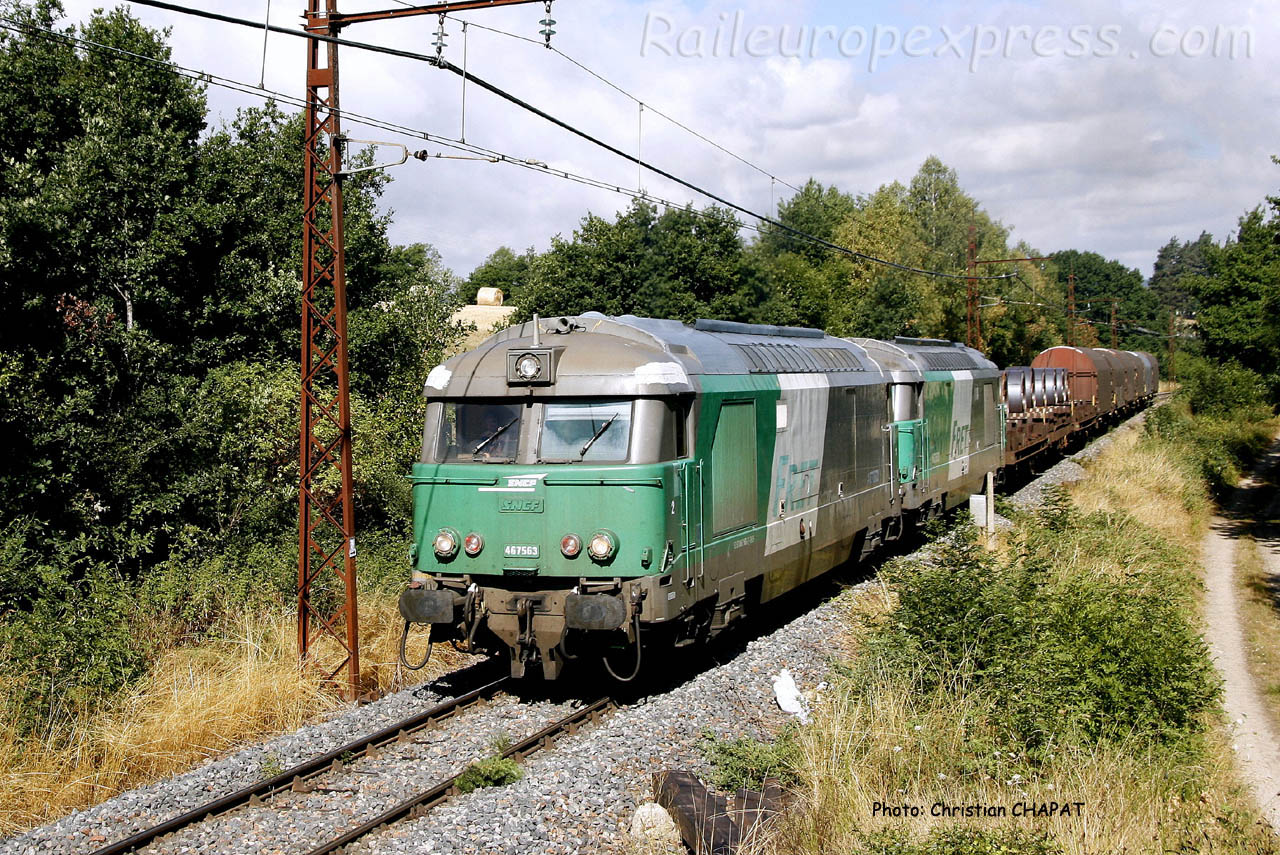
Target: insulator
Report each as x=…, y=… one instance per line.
x=548, y=22
x=547, y=32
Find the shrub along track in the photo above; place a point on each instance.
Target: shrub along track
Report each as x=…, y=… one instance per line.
x=1256, y=500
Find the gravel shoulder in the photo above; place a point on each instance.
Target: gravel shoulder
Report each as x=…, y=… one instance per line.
x=1253, y=736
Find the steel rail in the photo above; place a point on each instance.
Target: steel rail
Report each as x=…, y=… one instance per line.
x=293, y=778
x=419, y=804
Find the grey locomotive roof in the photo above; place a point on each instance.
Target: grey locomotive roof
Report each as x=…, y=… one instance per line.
x=723, y=347
x=629, y=355
x=926, y=354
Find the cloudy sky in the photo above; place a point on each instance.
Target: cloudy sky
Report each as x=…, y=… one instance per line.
x=1105, y=126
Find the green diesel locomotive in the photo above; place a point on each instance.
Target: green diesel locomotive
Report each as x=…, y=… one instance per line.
x=592, y=481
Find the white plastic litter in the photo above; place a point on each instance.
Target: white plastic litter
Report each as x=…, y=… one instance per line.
x=789, y=698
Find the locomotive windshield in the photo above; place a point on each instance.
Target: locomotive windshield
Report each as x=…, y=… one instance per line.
x=593, y=430
x=479, y=432
x=552, y=431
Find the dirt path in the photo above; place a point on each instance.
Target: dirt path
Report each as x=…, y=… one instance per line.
x=1254, y=738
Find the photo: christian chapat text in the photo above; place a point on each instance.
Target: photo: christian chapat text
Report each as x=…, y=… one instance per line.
x=977, y=810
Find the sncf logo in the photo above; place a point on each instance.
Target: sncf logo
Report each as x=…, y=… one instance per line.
x=522, y=482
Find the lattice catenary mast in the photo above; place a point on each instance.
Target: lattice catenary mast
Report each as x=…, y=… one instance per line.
x=326, y=518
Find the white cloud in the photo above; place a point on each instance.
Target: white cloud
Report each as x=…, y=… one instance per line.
x=1111, y=154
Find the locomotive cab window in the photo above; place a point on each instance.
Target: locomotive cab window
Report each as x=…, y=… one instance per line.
x=586, y=431
x=473, y=432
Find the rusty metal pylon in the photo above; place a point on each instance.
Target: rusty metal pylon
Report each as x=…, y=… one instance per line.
x=326, y=517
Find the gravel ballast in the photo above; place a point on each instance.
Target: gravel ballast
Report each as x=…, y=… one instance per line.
x=579, y=795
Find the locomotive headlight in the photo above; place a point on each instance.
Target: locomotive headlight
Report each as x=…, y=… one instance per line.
x=446, y=543
x=473, y=544
x=528, y=367
x=603, y=545
x=570, y=545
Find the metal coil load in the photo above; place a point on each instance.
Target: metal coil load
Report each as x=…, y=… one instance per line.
x=1017, y=389
x=1040, y=392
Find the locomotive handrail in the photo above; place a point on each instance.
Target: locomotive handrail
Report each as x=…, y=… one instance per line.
x=463, y=481
x=553, y=481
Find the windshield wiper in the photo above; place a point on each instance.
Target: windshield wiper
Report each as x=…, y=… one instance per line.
x=604, y=427
x=491, y=437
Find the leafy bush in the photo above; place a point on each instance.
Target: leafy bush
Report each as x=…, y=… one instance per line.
x=1060, y=654
x=71, y=642
x=747, y=762
x=489, y=772
x=1217, y=448
x=1107, y=662
x=958, y=613
x=1224, y=390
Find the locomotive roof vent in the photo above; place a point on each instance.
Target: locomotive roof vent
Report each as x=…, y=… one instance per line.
x=706, y=325
x=925, y=342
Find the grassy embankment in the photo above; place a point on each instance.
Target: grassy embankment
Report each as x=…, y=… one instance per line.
x=1065, y=667
x=238, y=684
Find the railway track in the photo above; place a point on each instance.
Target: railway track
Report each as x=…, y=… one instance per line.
x=296, y=779
x=422, y=802
x=302, y=779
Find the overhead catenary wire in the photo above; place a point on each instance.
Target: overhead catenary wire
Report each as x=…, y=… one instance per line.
x=636, y=99
x=474, y=151
x=1128, y=325
x=440, y=62
x=560, y=123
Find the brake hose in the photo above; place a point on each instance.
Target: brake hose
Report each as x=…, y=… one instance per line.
x=604, y=660
x=404, y=641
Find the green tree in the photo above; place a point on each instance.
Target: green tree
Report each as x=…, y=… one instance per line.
x=815, y=210
x=1028, y=317
x=880, y=301
x=1098, y=279
x=398, y=340
x=681, y=264
x=944, y=213
x=504, y=270
x=1239, y=317
x=94, y=223
x=1175, y=263
x=148, y=378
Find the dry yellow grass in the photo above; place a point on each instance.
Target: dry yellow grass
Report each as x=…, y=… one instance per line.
x=884, y=744
x=196, y=703
x=889, y=747
x=1153, y=486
